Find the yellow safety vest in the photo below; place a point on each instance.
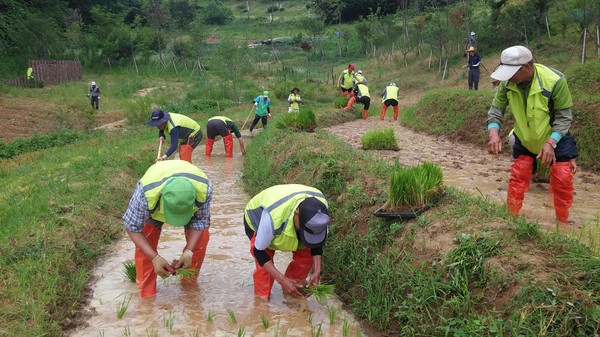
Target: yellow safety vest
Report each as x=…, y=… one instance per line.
x=294, y=105
x=363, y=90
x=532, y=113
x=156, y=177
x=176, y=120
x=281, y=201
x=347, y=77
x=391, y=92
x=222, y=118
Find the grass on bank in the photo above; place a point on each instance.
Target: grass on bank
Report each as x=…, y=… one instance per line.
x=465, y=268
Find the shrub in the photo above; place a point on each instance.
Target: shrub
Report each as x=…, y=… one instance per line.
x=217, y=13
x=416, y=185
x=383, y=139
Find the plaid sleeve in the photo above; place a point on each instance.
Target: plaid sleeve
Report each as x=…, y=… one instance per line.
x=137, y=211
x=201, y=219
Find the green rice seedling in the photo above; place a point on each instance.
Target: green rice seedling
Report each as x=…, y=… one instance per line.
x=186, y=274
x=126, y=331
x=345, y=328
x=306, y=120
x=316, y=331
x=231, y=316
x=210, y=317
x=169, y=321
x=340, y=102
x=332, y=314
x=101, y=333
x=152, y=333
x=415, y=186
x=310, y=318
x=264, y=320
x=320, y=291
x=129, y=270
x=241, y=331
x=122, y=307
x=381, y=139
x=196, y=333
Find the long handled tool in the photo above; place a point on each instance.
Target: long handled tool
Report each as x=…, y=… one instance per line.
x=247, y=117
x=160, y=141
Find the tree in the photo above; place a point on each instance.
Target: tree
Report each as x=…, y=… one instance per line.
x=158, y=19
x=314, y=27
x=217, y=14
x=198, y=36
x=73, y=33
x=232, y=57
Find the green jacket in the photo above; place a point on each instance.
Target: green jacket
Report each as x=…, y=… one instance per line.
x=280, y=201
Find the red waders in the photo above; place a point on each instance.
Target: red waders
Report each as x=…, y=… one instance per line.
x=185, y=151
x=561, y=185
x=520, y=175
x=228, y=140
x=209, y=146
x=365, y=114
x=396, y=113
x=350, y=103
x=145, y=276
x=383, y=110
x=298, y=270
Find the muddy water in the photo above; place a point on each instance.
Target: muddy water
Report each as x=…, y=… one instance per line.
x=225, y=281
x=472, y=169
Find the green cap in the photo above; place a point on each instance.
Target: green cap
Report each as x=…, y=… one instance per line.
x=178, y=198
x=266, y=93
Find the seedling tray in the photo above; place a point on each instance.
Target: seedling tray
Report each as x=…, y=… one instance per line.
x=411, y=214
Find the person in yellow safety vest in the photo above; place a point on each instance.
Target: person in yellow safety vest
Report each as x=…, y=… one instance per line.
x=359, y=78
x=294, y=99
x=361, y=95
x=30, y=74
x=389, y=97
x=289, y=218
x=540, y=101
x=174, y=192
x=223, y=126
x=345, y=80
x=185, y=133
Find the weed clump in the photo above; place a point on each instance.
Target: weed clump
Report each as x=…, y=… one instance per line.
x=383, y=139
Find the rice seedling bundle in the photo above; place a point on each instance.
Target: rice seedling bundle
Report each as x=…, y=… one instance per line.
x=320, y=291
x=129, y=270
x=416, y=185
x=186, y=274
x=380, y=139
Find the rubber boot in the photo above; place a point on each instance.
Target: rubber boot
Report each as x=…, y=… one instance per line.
x=185, y=152
x=383, y=110
x=198, y=254
x=209, y=146
x=263, y=281
x=396, y=113
x=228, y=140
x=520, y=175
x=144, y=269
x=300, y=266
x=365, y=114
x=561, y=182
x=350, y=103
x=345, y=93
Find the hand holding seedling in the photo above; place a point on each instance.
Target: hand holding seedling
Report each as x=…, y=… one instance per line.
x=185, y=261
x=291, y=287
x=162, y=268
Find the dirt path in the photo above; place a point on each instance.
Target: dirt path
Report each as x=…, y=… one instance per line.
x=472, y=169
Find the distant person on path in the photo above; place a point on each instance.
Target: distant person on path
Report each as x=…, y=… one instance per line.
x=289, y=218
x=470, y=41
x=473, y=62
x=184, y=132
x=389, y=97
x=345, y=81
x=30, y=74
x=540, y=102
x=294, y=99
x=361, y=95
x=174, y=192
x=94, y=95
x=359, y=78
x=262, y=104
x=224, y=127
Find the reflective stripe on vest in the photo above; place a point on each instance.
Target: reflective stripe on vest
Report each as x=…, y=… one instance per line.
x=280, y=201
x=183, y=121
x=533, y=119
x=222, y=118
x=391, y=92
x=157, y=176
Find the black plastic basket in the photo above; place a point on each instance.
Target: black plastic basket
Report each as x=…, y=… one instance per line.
x=380, y=213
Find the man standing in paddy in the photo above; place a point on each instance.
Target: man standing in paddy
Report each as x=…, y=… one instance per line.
x=185, y=133
x=289, y=218
x=540, y=102
x=174, y=192
x=224, y=127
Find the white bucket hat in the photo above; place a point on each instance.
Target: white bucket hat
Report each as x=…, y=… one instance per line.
x=511, y=60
